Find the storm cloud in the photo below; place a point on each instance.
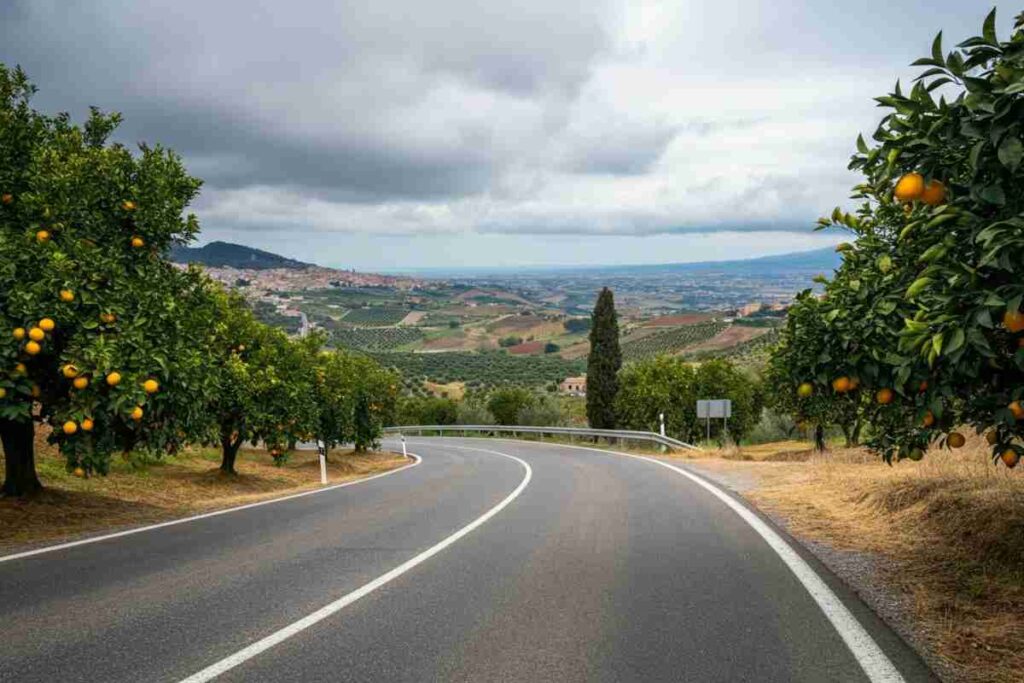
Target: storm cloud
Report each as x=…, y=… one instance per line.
x=536, y=117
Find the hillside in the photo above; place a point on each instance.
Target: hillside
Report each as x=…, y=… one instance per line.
x=226, y=254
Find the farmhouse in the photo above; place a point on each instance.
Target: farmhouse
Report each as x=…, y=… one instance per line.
x=575, y=386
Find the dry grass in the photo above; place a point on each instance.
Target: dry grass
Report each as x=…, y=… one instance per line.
x=140, y=493
x=951, y=526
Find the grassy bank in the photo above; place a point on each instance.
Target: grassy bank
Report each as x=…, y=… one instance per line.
x=949, y=531
x=136, y=493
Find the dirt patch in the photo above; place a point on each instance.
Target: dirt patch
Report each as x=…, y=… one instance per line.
x=452, y=390
x=413, y=318
x=527, y=348
x=729, y=337
x=137, y=493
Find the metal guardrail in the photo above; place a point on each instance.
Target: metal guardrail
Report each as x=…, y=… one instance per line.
x=571, y=432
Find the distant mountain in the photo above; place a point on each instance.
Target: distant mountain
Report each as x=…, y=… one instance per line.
x=220, y=254
x=796, y=263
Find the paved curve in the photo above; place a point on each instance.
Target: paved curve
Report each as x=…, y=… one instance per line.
x=604, y=568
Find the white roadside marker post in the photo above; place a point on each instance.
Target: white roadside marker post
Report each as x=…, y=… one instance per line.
x=322, y=450
x=405, y=453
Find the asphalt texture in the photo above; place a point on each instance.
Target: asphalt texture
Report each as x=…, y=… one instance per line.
x=604, y=568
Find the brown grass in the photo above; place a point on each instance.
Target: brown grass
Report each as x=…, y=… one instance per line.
x=951, y=526
x=140, y=493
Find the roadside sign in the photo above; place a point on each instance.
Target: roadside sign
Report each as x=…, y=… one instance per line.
x=717, y=408
x=720, y=408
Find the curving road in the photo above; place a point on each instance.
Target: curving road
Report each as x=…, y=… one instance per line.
x=488, y=561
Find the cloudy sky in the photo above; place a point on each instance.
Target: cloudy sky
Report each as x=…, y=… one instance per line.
x=394, y=134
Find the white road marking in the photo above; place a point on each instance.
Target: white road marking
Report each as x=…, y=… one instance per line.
x=205, y=515
x=876, y=665
x=264, y=644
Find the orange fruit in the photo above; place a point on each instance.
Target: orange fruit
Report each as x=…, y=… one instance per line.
x=1009, y=458
x=909, y=187
x=69, y=371
x=81, y=382
x=1017, y=409
x=854, y=383
x=151, y=386
x=18, y=333
x=87, y=425
x=3, y=393
x=137, y=413
x=884, y=396
x=6, y=198
x=36, y=334
x=33, y=348
x=20, y=369
x=138, y=242
x=934, y=193
x=992, y=437
x=1013, y=321
x=805, y=390
x=107, y=317
x=841, y=384
x=35, y=391
x=928, y=420
x=67, y=296
x=114, y=378
x=79, y=472
x=956, y=440
x=43, y=236
x=923, y=386
x=128, y=205
x=70, y=427
x=47, y=324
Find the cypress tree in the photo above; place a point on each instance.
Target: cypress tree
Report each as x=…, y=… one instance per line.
x=603, y=363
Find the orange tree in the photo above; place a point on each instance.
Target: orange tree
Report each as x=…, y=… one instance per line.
x=356, y=397
x=100, y=336
x=812, y=373
x=264, y=383
x=927, y=301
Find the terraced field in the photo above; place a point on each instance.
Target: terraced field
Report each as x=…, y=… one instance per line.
x=375, y=317
x=375, y=338
x=670, y=340
x=483, y=369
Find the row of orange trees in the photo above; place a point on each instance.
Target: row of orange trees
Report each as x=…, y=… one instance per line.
x=919, y=333
x=116, y=348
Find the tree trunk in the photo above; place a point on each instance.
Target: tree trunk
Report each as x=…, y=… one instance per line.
x=819, y=438
x=18, y=440
x=229, y=449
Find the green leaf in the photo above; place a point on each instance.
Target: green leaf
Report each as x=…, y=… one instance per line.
x=862, y=146
x=1011, y=151
x=988, y=31
x=937, y=49
x=956, y=340
x=993, y=194
x=915, y=288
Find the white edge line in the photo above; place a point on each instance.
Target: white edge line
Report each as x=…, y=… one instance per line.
x=230, y=662
x=876, y=665
x=205, y=515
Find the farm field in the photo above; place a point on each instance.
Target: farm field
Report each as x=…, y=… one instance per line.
x=375, y=317
x=375, y=338
x=671, y=340
x=490, y=368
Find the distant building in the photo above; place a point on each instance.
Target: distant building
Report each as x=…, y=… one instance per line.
x=574, y=386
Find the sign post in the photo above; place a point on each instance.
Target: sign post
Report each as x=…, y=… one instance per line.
x=321, y=448
x=717, y=408
x=405, y=453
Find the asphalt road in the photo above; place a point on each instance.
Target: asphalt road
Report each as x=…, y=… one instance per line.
x=489, y=561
